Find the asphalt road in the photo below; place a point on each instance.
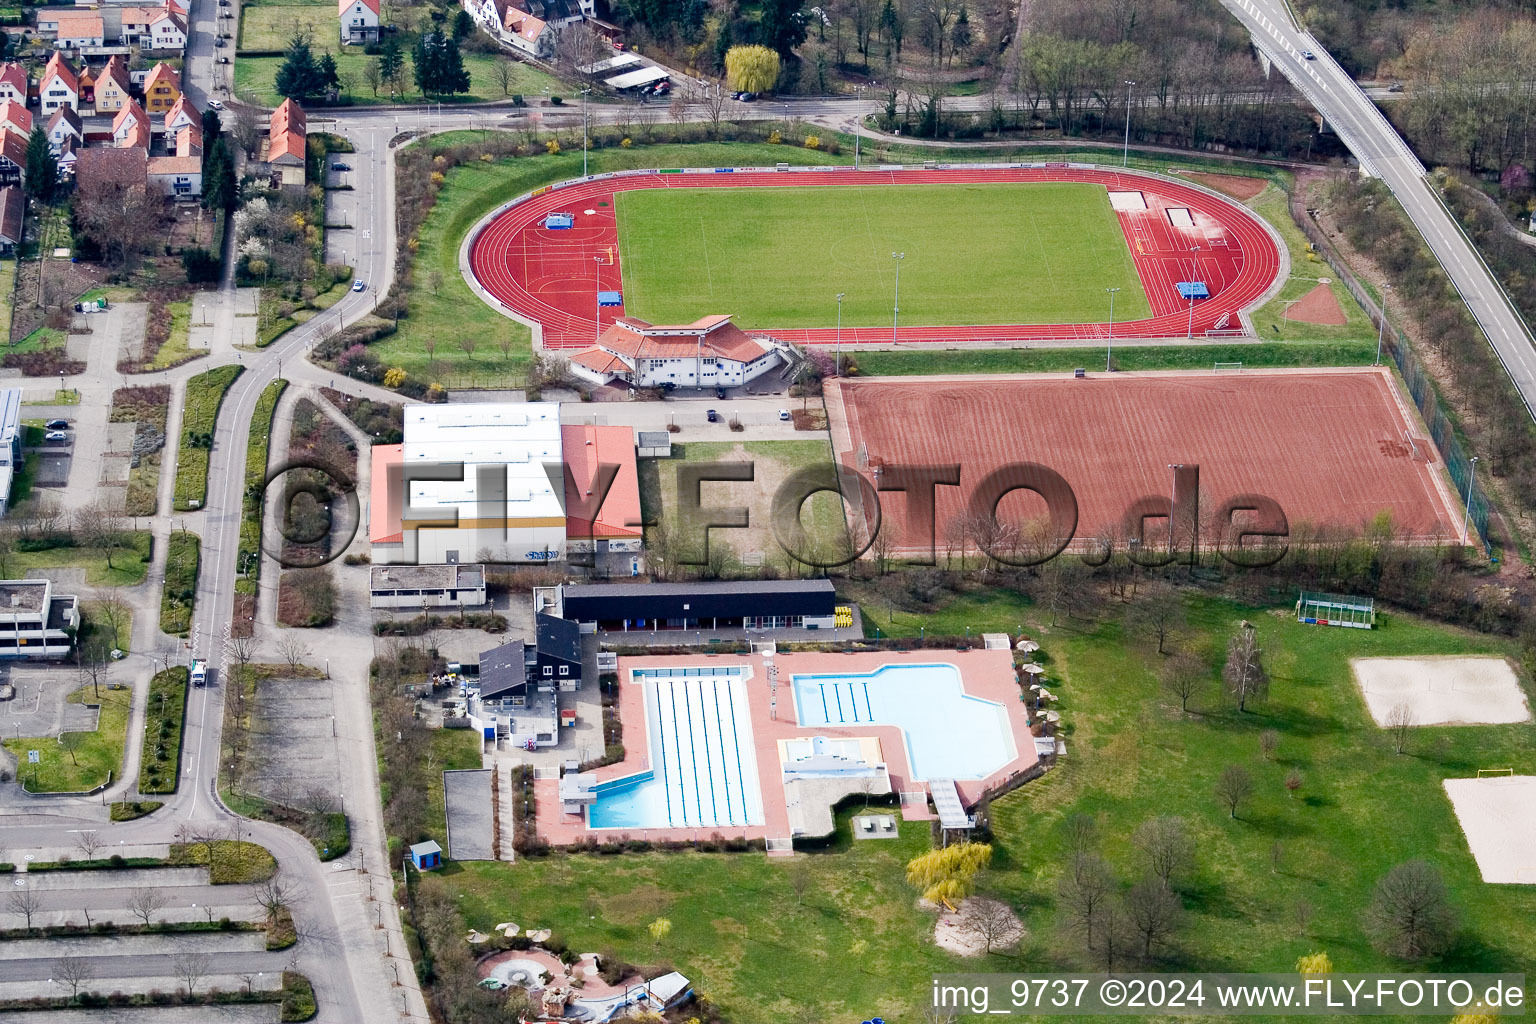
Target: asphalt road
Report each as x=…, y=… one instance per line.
x=1383, y=153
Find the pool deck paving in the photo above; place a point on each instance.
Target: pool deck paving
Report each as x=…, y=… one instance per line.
x=985, y=674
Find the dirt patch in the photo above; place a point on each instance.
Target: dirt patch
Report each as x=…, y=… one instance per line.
x=1318, y=306
x=956, y=933
x=1237, y=186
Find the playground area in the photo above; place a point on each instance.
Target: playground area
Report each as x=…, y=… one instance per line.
x=1067, y=233
x=1442, y=691
x=1334, y=448
x=1497, y=813
x=744, y=746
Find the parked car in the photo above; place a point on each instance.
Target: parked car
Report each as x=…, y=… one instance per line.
x=56, y=436
x=57, y=424
x=783, y=414
x=358, y=286
x=712, y=416
x=216, y=104
x=219, y=41
x=719, y=391
x=222, y=60
x=338, y=166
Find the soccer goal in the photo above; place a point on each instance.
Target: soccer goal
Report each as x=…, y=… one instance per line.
x=1489, y=772
x=1229, y=368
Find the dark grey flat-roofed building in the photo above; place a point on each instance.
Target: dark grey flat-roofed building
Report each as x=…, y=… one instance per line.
x=753, y=605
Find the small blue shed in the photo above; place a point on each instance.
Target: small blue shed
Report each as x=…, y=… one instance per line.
x=426, y=856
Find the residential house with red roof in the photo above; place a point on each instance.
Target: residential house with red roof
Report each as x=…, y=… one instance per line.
x=12, y=205
x=182, y=115
x=287, y=143
x=59, y=86
x=712, y=352
x=130, y=128
x=162, y=88
x=167, y=31
x=112, y=91
x=14, y=83
x=76, y=30
x=180, y=174
x=102, y=166
x=359, y=21
x=15, y=117
x=64, y=124
x=13, y=159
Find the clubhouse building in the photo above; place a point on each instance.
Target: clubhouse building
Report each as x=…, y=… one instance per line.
x=712, y=352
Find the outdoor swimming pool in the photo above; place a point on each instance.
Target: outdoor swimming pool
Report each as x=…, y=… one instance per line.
x=703, y=768
x=949, y=734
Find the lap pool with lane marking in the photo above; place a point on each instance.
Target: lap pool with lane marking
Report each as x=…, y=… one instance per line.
x=703, y=771
x=949, y=734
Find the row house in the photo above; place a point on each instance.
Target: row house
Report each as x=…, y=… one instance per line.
x=59, y=86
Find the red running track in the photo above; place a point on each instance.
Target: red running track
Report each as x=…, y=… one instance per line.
x=553, y=276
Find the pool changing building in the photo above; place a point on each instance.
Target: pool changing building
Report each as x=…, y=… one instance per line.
x=754, y=606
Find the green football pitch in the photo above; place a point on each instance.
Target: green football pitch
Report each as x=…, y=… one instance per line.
x=1028, y=253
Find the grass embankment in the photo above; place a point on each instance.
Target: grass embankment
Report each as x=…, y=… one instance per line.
x=745, y=936
x=1306, y=273
x=1065, y=360
x=164, y=717
x=813, y=242
x=256, y=454
x=200, y=412
x=77, y=761
x=470, y=192
x=179, y=595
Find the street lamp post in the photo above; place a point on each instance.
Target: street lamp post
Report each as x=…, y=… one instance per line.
x=858, y=121
x=1109, y=350
x=1194, y=268
x=1381, y=328
x=1125, y=153
x=837, y=357
x=1173, y=504
x=1466, y=517
x=896, y=304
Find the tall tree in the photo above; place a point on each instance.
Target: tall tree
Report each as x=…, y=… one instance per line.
x=299, y=77
x=439, y=66
x=782, y=25
x=42, y=168
x=1410, y=915
x=392, y=63
x=752, y=68
x=1244, y=673
x=219, y=187
x=325, y=69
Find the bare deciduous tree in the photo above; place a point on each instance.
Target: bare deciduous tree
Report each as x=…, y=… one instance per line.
x=1184, y=676
x=1084, y=892
x=1410, y=915
x=191, y=968
x=1156, y=615
x=1400, y=723
x=1269, y=739
x=1233, y=787
x=293, y=651
x=88, y=841
x=146, y=902
x=467, y=343
x=25, y=902
x=1166, y=844
x=992, y=921
x=276, y=895
x=1153, y=912
x=73, y=971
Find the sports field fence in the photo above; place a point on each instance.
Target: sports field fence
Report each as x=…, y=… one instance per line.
x=1418, y=381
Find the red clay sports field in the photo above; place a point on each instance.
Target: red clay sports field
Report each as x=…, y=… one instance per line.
x=1335, y=448
x=552, y=277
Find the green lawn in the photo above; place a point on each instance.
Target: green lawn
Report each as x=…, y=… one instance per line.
x=1268, y=319
x=1064, y=360
x=271, y=26
x=254, y=76
x=176, y=349
x=975, y=254
x=200, y=411
x=160, y=757
x=452, y=750
x=743, y=937
x=122, y=566
x=100, y=753
x=179, y=595
x=470, y=192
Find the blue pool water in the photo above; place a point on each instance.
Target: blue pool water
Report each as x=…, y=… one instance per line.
x=949, y=734
x=703, y=769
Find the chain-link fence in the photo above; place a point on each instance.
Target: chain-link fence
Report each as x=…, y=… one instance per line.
x=1419, y=384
